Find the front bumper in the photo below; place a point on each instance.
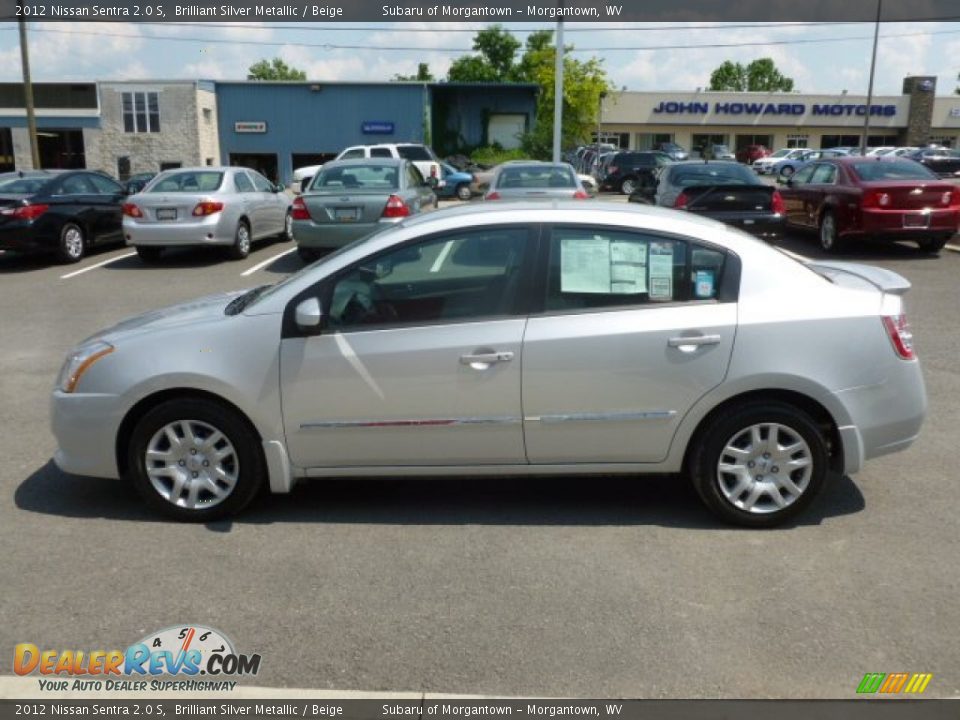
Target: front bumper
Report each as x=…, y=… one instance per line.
x=85, y=427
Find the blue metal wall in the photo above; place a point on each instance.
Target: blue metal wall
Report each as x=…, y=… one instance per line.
x=301, y=120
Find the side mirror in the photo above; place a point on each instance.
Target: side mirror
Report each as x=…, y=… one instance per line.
x=308, y=314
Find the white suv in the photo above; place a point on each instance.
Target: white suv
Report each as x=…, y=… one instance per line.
x=420, y=155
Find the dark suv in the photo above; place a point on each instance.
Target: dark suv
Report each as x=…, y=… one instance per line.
x=628, y=171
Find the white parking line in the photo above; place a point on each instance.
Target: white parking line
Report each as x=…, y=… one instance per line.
x=266, y=262
x=955, y=248
x=95, y=266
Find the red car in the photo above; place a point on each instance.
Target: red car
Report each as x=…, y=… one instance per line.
x=750, y=153
x=872, y=197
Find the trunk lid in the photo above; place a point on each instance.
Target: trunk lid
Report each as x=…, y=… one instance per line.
x=354, y=207
x=729, y=198
x=913, y=196
x=169, y=208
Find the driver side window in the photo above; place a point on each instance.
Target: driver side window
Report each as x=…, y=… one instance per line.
x=460, y=276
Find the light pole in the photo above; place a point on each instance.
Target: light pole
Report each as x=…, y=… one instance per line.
x=28, y=91
x=600, y=118
x=873, y=65
x=558, y=93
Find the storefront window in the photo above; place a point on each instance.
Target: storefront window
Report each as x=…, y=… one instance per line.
x=141, y=112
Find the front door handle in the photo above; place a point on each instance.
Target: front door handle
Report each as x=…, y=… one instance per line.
x=481, y=361
x=689, y=344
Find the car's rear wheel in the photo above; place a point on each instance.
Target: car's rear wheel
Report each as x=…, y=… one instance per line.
x=829, y=238
x=463, y=191
x=149, y=254
x=628, y=186
x=194, y=459
x=73, y=243
x=760, y=464
x=286, y=235
x=932, y=245
x=241, y=242
x=308, y=255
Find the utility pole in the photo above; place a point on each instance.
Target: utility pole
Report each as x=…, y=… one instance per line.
x=873, y=66
x=558, y=93
x=599, y=118
x=28, y=91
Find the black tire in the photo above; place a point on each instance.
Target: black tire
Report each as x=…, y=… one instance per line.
x=724, y=431
x=286, y=235
x=73, y=243
x=829, y=237
x=463, y=192
x=241, y=241
x=248, y=453
x=932, y=245
x=149, y=254
x=786, y=171
x=628, y=185
x=308, y=255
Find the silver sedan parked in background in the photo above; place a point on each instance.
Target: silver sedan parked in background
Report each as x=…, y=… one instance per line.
x=527, y=338
x=226, y=206
x=348, y=199
x=536, y=181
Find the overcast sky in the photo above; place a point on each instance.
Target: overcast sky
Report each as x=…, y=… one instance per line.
x=113, y=51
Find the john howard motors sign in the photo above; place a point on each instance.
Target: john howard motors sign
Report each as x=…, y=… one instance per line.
x=777, y=109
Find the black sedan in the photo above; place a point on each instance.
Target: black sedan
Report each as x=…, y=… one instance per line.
x=722, y=190
x=59, y=212
x=943, y=161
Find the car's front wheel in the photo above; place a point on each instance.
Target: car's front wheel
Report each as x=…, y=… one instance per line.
x=760, y=464
x=195, y=460
x=464, y=192
x=628, y=186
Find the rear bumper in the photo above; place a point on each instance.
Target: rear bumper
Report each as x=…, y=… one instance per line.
x=211, y=230
x=765, y=225
x=889, y=224
x=23, y=237
x=309, y=234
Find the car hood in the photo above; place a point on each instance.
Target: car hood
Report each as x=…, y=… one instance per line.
x=196, y=311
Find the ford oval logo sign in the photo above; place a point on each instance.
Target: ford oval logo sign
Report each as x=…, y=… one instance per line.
x=926, y=85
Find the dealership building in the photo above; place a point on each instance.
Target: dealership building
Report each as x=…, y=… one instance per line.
x=126, y=128
x=640, y=120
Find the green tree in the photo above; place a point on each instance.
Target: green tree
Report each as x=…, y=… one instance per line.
x=583, y=82
x=761, y=75
x=275, y=69
x=497, y=48
x=423, y=74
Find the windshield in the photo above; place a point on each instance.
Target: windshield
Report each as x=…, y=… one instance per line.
x=899, y=170
x=190, y=181
x=380, y=176
x=713, y=175
x=22, y=185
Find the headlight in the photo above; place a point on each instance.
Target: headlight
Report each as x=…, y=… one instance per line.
x=79, y=361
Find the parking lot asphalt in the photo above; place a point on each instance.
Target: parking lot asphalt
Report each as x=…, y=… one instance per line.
x=552, y=587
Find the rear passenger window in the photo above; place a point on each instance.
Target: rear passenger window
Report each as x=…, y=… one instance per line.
x=380, y=152
x=599, y=268
x=242, y=182
x=352, y=154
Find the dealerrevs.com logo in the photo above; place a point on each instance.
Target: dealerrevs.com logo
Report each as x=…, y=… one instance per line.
x=183, y=651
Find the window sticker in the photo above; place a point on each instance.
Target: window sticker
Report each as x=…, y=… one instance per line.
x=661, y=271
x=703, y=284
x=628, y=267
x=585, y=265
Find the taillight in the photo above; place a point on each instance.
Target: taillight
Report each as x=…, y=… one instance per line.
x=25, y=212
x=298, y=209
x=395, y=207
x=492, y=195
x=207, y=207
x=580, y=195
x=682, y=201
x=776, y=203
x=898, y=330
x=131, y=210
x=876, y=199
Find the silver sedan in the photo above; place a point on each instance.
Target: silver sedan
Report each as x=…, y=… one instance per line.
x=536, y=181
x=226, y=206
x=528, y=338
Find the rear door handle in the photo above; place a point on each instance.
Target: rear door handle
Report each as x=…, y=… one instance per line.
x=689, y=344
x=481, y=361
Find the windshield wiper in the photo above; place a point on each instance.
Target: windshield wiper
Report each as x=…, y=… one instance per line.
x=238, y=304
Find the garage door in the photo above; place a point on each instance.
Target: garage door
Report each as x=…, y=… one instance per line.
x=506, y=130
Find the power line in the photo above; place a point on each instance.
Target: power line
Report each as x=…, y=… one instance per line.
x=338, y=46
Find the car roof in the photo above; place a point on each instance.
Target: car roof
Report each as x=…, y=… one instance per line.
x=359, y=162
